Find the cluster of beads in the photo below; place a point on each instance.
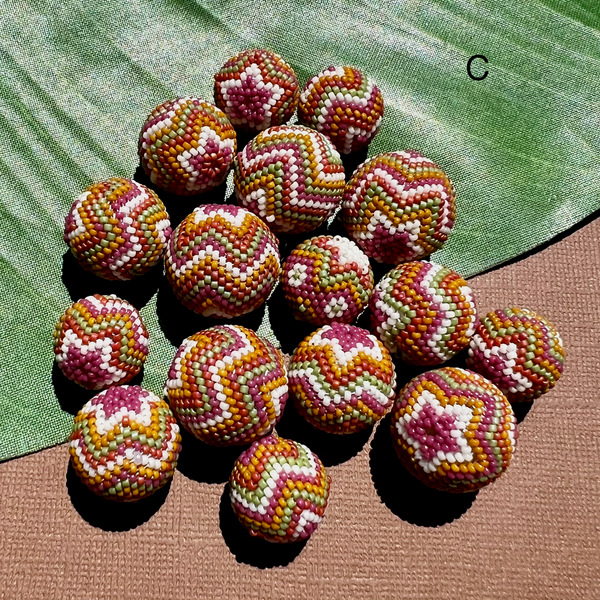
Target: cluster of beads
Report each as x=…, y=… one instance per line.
x=256, y=89
x=117, y=229
x=186, y=146
x=291, y=177
x=100, y=341
x=519, y=351
x=125, y=443
x=398, y=206
x=227, y=385
x=342, y=379
x=453, y=429
x=345, y=105
x=423, y=312
x=327, y=279
x=222, y=261
x=279, y=490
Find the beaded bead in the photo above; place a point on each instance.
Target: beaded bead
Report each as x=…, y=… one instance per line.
x=227, y=385
x=345, y=105
x=117, y=229
x=423, y=312
x=125, y=443
x=519, y=351
x=222, y=261
x=186, y=146
x=398, y=206
x=453, y=429
x=256, y=89
x=279, y=490
x=100, y=341
x=291, y=177
x=327, y=279
x=342, y=379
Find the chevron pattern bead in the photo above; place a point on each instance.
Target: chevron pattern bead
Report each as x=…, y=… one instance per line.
x=125, y=443
x=279, y=490
x=453, y=429
x=345, y=105
x=398, y=206
x=186, y=146
x=117, y=229
x=256, y=89
x=100, y=341
x=342, y=379
x=222, y=261
x=423, y=312
x=518, y=350
x=227, y=385
x=291, y=177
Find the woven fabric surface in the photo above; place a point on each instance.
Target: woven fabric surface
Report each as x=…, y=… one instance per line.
x=77, y=80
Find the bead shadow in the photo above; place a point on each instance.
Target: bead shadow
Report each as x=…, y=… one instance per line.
x=81, y=283
x=521, y=410
x=251, y=550
x=406, y=496
x=353, y=160
x=109, y=515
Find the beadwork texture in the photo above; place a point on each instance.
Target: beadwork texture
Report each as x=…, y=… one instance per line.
x=125, y=443
x=291, y=177
x=256, y=89
x=423, y=312
x=227, y=385
x=398, y=206
x=327, y=279
x=100, y=341
x=279, y=490
x=117, y=229
x=186, y=146
x=345, y=105
x=342, y=379
x=453, y=429
x=519, y=351
x=222, y=261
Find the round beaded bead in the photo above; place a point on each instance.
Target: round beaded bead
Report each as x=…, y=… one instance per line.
x=291, y=177
x=125, y=443
x=227, y=385
x=327, y=279
x=519, y=351
x=186, y=146
x=117, y=229
x=100, y=341
x=345, y=105
x=256, y=89
x=398, y=206
x=279, y=490
x=453, y=429
x=423, y=312
x=342, y=379
x=222, y=261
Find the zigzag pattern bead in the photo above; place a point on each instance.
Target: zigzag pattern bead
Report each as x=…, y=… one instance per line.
x=342, y=379
x=291, y=177
x=345, y=105
x=453, y=429
x=256, y=89
x=227, y=385
x=186, y=146
x=423, y=312
x=327, y=279
x=222, y=261
x=125, y=443
x=279, y=490
x=398, y=206
x=117, y=229
x=519, y=351
x=100, y=341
